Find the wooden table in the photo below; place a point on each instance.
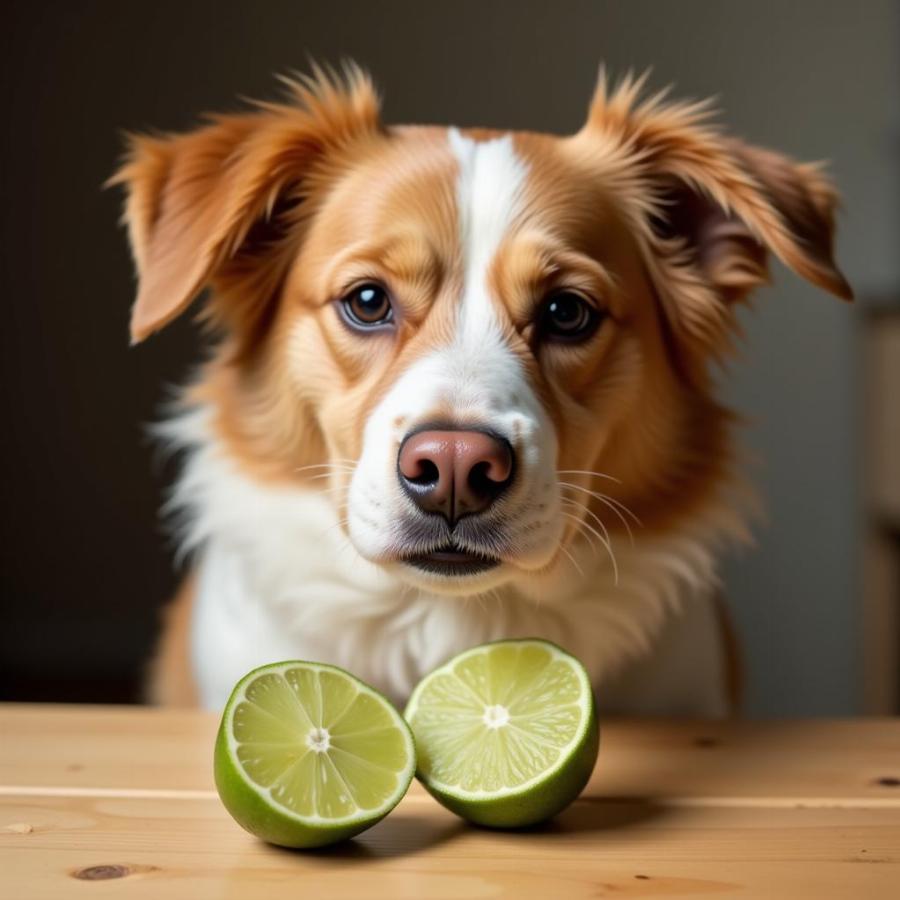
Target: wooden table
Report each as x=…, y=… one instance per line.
x=102, y=802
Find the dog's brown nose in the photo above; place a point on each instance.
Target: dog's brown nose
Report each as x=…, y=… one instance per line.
x=454, y=473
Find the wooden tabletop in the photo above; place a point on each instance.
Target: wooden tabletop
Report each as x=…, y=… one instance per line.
x=119, y=802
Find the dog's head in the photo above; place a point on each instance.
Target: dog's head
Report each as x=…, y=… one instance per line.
x=491, y=343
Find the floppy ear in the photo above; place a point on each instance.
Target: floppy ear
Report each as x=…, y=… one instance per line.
x=199, y=202
x=714, y=207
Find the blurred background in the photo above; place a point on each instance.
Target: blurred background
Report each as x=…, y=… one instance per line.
x=85, y=561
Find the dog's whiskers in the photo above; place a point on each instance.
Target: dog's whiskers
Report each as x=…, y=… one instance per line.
x=328, y=475
x=620, y=505
x=587, y=472
x=607, y=543
x=615, y=505
x=348, y=466
x=609, y=502
x=588, y=511
x=601, y=496
x=578, y=568
x=580, y=529
x=602, y=525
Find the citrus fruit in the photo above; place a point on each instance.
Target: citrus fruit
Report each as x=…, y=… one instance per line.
x=307, y=755
x=506, y=733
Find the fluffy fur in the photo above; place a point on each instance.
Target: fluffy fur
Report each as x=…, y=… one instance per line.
x=625, y=486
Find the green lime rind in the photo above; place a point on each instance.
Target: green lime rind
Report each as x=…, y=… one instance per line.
x=253, y=807
x=542, y=797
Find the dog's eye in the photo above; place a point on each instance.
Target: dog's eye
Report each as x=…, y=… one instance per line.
x=568, y=316
x=367, y=305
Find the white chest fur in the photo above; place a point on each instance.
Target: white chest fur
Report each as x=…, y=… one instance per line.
x=278, y=579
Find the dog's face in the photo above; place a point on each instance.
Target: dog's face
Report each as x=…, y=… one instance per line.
x=492, y=344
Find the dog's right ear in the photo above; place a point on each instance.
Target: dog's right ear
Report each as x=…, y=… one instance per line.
x=194, y=201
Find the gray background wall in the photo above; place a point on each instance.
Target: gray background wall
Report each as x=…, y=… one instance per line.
x=83, y=566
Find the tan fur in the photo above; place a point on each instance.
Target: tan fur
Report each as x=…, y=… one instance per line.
x=648, y=209
x=170, y=681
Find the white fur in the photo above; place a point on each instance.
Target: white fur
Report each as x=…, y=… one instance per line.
x=489, y=188
x=278, y=580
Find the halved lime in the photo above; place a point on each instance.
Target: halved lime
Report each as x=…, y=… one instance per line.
x=308, y=755
x=506, y=733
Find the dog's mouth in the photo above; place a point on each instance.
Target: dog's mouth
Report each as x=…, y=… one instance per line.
x=452, y=561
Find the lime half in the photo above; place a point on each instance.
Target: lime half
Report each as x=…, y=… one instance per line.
x=506, y=733
x=308, y=755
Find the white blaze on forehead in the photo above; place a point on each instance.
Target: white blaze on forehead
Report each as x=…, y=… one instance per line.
x=489, y=191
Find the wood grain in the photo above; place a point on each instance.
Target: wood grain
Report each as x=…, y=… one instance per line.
x=119, y=802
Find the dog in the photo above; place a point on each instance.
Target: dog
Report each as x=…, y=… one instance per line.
x=460, y=386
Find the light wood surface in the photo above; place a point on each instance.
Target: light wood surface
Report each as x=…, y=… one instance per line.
x=116, y=802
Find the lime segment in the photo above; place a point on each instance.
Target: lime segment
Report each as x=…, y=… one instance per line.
x=307, y=754
x=506, y=733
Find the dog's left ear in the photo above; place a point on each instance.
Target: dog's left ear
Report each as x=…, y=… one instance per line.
x=199, y=204
x=716, y=207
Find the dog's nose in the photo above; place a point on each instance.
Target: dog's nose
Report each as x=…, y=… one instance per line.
x=454, y=473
